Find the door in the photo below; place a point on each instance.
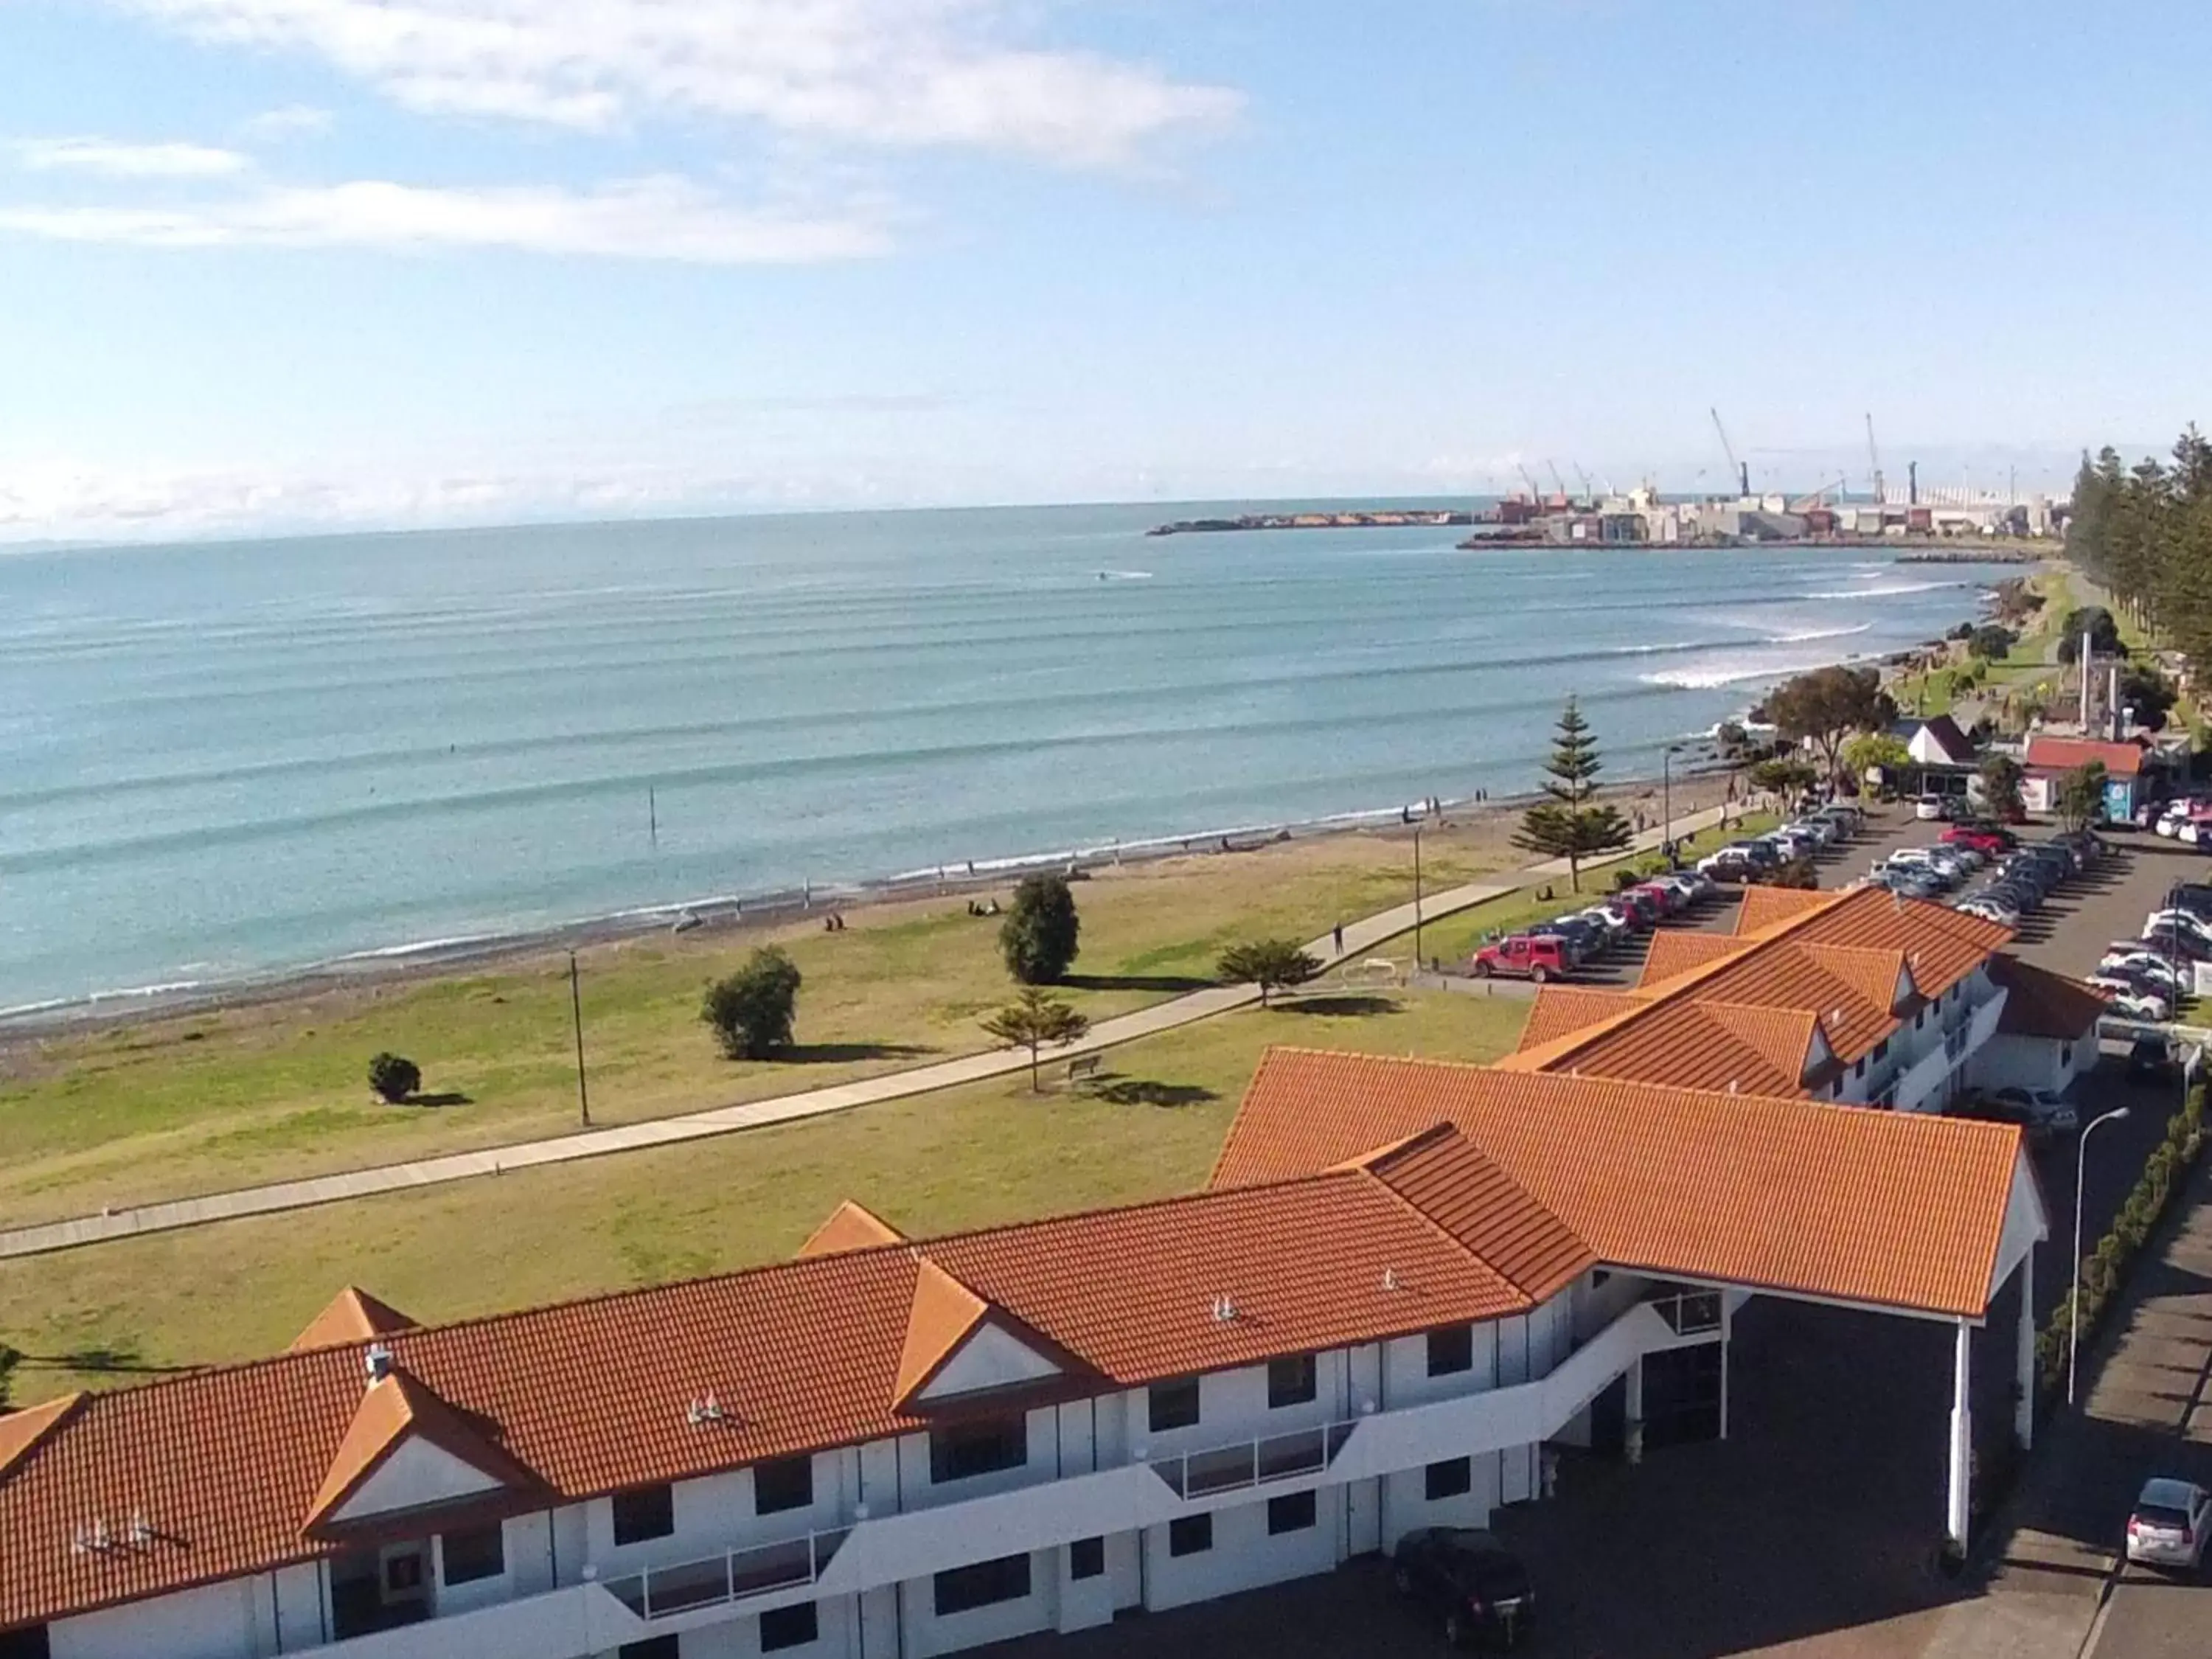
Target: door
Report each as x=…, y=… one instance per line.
x=1363, y=1517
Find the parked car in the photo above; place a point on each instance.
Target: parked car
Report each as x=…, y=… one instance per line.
x=1469, y=1578
x=1987, y=1109
x=2133, y=1000
x=1538, y=957
x=2052, y=1109
x=1986, y=839
x=1581, y=943
x=2174, y=943
x=1671, y=900
x=1928, y=807
x=1988, y=909
x=2168, y=1526
x=2150, y=1059
x=1729, y=865
x=2142, y=964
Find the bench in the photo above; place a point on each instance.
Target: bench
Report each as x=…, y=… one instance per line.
x=1087, y=1066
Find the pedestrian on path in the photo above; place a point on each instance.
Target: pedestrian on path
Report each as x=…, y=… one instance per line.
x=1337, y=934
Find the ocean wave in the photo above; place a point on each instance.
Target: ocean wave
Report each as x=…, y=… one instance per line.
x=1125, y=575
x=1707, y=677
x=1883, y=590
x=419, y=947
x=1820, y=634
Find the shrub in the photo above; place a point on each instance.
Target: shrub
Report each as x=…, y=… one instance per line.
x=1033, y=1019
x=751, y=1010
x=394, y=1076
x=1268, y=963
x=1042, y=933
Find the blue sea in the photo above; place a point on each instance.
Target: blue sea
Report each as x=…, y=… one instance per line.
x=219, y=761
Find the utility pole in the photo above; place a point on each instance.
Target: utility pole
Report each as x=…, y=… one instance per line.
x=576, y=1011
x=1417, y=898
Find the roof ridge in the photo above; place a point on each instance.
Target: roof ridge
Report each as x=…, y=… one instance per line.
x=1445, y=1233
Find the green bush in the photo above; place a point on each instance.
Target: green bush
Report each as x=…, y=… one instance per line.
x=751, y=1010
x=1042, y=932
x=394, y=1076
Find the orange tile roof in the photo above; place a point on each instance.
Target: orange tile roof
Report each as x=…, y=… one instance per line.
x=353, y=1316
x=1559, y=1010
x=1895, y=1209
x=1678, y=950
x=592, y=1396
x=1442, y=1175
x=21, y=1431
x=938, y=1319
x=1762, y=907
x=2042, y=1004
x=393, y=1412
x=2121, y=760
x=850, y=1226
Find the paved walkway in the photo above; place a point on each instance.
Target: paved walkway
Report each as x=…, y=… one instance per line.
x=1359, y=939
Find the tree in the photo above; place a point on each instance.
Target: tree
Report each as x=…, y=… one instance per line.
x=394, y=1076
x=2001, y=778
x=752, y=1008
x=2081, y=795
x=1039, y=937
x=2149, y=693
x=1990, y=641
x=1826, y=706
x=9, y=1358
x=1268, y=963
x=1033, y=1019
x=2094, y=620
x=1571, y=825
x=1873, y=751
x=1785, y=775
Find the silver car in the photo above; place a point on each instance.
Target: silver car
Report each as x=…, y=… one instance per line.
x=2167, y=1527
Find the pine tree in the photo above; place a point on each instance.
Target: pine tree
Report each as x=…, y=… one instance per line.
x=1571, y=825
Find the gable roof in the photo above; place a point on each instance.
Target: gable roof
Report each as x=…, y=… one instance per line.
x=2121, y=760
x=1443, y=1175
x=353, y=1316
x=582, y=1398
x=1764, y=906
x=393, y=1411
x=1676, y=950
x=21, y=1431
x=850, y=1226
x=1559, y=1010
x=1897, y=1210
x=2043, y=1004
x=1939, y=739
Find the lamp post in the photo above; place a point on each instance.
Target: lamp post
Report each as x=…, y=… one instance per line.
x=1666, y=800
x=1417, y=898
x=576, y=1011
x=2074, y=1299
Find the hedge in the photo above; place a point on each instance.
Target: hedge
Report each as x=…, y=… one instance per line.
x=2104, y=1269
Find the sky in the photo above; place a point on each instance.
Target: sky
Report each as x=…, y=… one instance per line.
x=275, y=265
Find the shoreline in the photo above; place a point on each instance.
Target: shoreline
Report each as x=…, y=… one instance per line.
x=732, y=916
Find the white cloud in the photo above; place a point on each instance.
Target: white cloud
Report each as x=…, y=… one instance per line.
x=894, y=73
x=291, y=121
x=661, y=217
x=113, y=159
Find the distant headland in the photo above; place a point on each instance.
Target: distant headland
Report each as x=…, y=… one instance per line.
x=1377, y=518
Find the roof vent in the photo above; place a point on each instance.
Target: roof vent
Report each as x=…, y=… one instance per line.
x=709, y=1410
x=1389, y=1278
x=140, y=1532
x=1224, y=1311
x=377, y=1362
x=1731, y=1085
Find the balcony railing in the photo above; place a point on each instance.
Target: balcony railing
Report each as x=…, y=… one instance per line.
x=1253, y=1463
x=731, y=1576
x=1687, y=1313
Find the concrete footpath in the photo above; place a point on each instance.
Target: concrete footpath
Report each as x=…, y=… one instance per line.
x=2057, y=1589
x=1359, y=938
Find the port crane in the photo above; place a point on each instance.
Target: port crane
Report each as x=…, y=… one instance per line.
x=1589, y=494
x=1553, y=468
x=1536, y=491
x=1874, y=457
x=1741, y=472
x=1818, y=498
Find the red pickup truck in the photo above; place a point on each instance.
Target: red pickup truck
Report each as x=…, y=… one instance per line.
x=1539, y=956
x=1986, y=839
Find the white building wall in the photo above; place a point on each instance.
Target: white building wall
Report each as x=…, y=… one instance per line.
x=216, y=1622
x=1244, y=1557
x=302, y=1619
x=926, y=1633
x=529, y=1545
x=918, y=1492
x=2026, y=1062
x=836, y=1636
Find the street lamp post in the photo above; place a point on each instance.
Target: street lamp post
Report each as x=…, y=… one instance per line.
x=1666, y=800
x=2073, y=1298
x=576, y=1012
x=1417, y=898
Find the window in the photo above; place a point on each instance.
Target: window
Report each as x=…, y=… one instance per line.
x=2065, y=1054
x=653, y=1647
x=1881, y=1051
x=1859, y=1069
x=479, y=1552
x=1292, y=1512
x=1173, y=1405
x=1086, y=1557
x=783, y=1482
x=1920, y=1019
x=28, y=1643
x=1006, y=1579
x=1290, y=1382
x=645, y=1512
x=1190, y=1534
x=788, y=1627
x=1598, y=1276
x=1448, y=1478
x=1452, y=1349
x=972, y=1449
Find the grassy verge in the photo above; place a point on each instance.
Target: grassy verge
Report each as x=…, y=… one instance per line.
x=1150, y=1126
x=252, y=1094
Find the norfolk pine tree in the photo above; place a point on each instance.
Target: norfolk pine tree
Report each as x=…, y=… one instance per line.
x=1571, y=825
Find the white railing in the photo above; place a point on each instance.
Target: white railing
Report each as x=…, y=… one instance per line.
x=733, y=1574
x=561, y=1624
x=1244, y=1463
x=1924, y=1080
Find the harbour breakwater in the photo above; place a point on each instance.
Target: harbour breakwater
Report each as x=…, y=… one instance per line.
x=1379, y=518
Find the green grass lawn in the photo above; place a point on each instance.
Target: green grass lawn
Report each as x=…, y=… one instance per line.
x=225, y=1099
x=1150, y=1126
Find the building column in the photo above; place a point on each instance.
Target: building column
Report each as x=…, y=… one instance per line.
x=1633, y=1434
x=1727, y=1325
x=2023, y=1405
x=1955, y=1514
